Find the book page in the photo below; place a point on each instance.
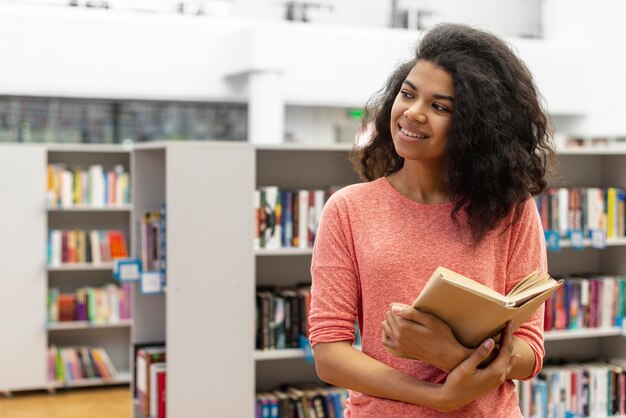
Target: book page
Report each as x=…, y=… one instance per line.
x=471, y=285
x=529, y=281
x=522, y=297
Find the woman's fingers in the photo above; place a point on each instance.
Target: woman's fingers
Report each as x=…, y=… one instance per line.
x=470, y=364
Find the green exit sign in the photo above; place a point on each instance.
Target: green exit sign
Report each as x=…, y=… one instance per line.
x=356, y=113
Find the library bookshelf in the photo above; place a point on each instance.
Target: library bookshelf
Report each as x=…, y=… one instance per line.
x=111, y=335
x=205, y=315
x=27, y=277
x=589, y=167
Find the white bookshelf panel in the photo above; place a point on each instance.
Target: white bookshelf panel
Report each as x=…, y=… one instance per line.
x=86, y=325
x=22, y=272
x=289, y=353
x=582, y=333
x=121, y=378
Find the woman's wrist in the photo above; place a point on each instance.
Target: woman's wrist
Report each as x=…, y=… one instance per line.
x=456, y=357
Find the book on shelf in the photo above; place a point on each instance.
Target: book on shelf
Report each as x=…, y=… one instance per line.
x=301, y=401
x=586, y=301
x=92, y=187
x=576, y=389
x=69, y=364
x=82, y=246
x=157, y=388
x=287, y=218
x=146, y=357
x=586, y=209
x=475, y=312
x=152, y=240
x=281, y=316
x=136, y=348
x=97, y=305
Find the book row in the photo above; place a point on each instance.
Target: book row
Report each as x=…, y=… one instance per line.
x=97, y=305
x=150, y=379
x=153, y=240
x=585, y=209
x=282, y=317
x=587, y=302
x=81, y=246
x=575, y=390
x=287, y=218
x=302, y=401
x=93, y=186
x=69, y=364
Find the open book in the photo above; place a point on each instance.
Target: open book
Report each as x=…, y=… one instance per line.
x=475, y=312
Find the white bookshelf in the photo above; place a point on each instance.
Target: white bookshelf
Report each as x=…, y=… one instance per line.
x=25, y=332
x=293, y=166
x=114, y=338
x=206, y=317
x=589, y=167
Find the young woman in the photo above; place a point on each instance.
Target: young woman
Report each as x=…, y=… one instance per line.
x=460, y=143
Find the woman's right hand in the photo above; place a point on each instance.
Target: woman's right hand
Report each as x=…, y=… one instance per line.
x=467, y=381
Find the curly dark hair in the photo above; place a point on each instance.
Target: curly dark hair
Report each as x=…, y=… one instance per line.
x=500, y=139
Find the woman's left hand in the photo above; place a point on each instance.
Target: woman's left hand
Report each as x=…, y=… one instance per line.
x=410, y=333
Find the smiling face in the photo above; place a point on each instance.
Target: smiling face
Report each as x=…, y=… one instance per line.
x=422, y=113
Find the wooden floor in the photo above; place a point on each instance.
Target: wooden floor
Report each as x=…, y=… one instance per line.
x=112, y=402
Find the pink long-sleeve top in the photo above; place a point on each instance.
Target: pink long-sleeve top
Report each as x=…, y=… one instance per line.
x=375, y=246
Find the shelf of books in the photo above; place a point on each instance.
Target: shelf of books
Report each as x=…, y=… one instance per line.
x=89, y=314
x=194, y=328
x=292, y=184
x=584, y=218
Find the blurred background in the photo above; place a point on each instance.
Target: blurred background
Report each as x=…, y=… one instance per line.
x=108, y=71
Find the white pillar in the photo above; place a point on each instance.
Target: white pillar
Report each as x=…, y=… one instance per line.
x=266, y=107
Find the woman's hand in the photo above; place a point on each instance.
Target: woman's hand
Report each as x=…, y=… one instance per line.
x=467, y=382
x=414, y=334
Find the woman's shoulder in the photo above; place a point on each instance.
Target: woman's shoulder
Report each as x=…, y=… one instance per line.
x=358, y=191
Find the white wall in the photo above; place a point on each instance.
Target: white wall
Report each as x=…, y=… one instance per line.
x=598, y=27
x=79, y=52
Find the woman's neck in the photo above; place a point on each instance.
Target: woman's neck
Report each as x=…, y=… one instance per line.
x=422, y=185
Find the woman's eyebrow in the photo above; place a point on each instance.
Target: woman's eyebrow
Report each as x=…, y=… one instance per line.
x=435, y=95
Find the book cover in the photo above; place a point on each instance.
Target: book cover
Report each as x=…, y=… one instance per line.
x=156, y=369
x=475, y=312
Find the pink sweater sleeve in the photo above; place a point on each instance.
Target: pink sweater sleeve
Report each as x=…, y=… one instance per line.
x=335, y=288
x=528, y=253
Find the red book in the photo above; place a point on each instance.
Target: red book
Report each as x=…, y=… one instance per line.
x=161, y=381
x=548, y=317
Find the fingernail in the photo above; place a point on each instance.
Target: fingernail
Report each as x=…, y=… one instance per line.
x=397, y=309
x=489, y=343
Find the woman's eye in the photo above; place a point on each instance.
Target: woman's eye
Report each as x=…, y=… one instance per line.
x=440, y=107
x=406, y=94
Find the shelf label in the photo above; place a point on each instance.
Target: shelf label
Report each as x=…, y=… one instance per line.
x=127, y=269
x=305, y=345
x=553, y=240
x=577, y=239
x=151, y=282
x=598, y=238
